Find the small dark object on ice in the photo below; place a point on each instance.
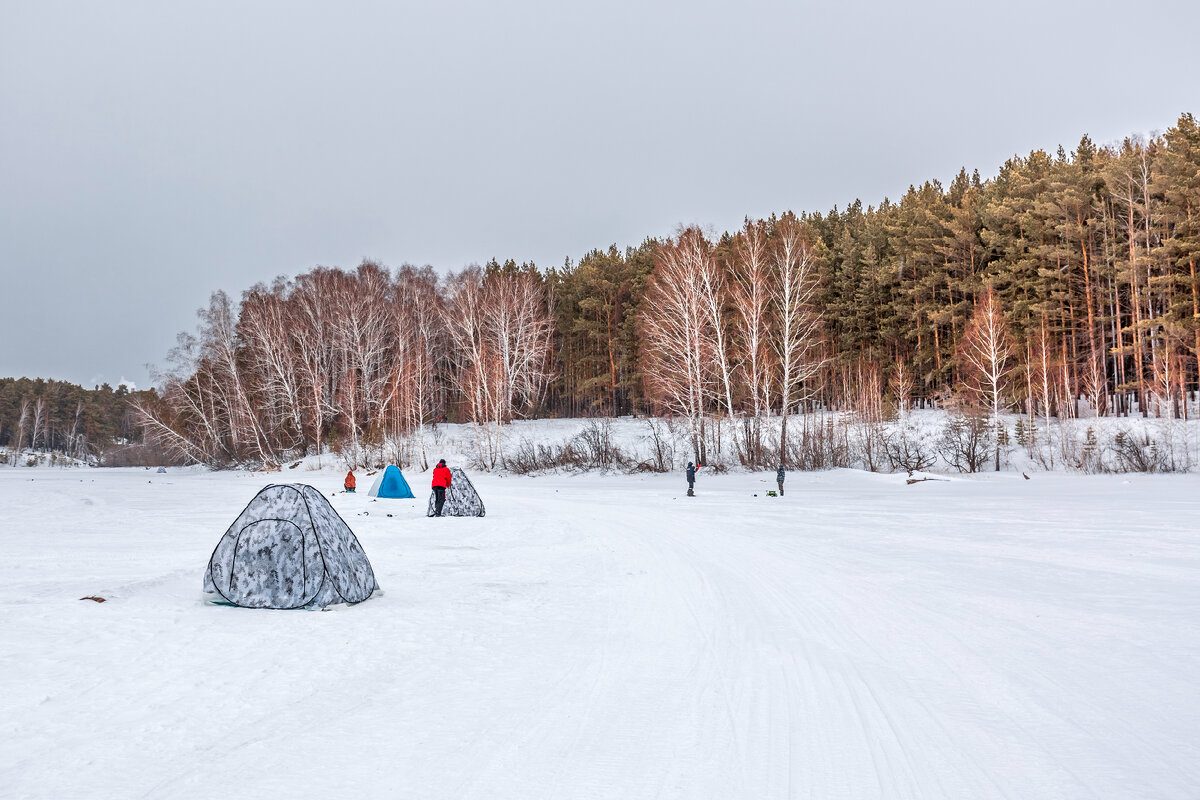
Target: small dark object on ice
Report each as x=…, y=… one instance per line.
x=93, y=597
x=293, y=466
x=1023, y=475
x=389, y=515
x=911, y=481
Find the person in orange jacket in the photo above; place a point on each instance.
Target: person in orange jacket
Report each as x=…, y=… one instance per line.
x=350, y=482
x=441, y=482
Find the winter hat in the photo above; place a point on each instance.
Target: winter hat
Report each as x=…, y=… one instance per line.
x=442, y=463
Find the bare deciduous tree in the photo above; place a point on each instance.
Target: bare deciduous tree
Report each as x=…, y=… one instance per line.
x=22, y=424
x=677, y=335
x=264, y=326
x=985, y=351
x=901, y=383
x=39, y=421
x=499, y=329
x=797, y=325
x=752, y=291
x=715, y=299
x=1044, y=387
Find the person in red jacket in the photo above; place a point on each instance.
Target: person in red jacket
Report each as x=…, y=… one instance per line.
x=350, y=483
x=441, y=482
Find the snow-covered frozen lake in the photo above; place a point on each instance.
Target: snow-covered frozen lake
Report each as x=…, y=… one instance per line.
x=608, y=637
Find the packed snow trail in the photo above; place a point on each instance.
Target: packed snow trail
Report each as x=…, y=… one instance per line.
x=609, y=637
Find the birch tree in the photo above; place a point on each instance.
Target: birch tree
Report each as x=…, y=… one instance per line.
x=22, y=424
x=39, y=420
x=985, y=352
x=463, y=318
x=675, y=327
x=264, y=325
x=797, y=324
x=312, y=341
x=752, y=290
x=424, y=312
x=715, y=298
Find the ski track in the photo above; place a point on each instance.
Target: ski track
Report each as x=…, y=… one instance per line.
x=607, y=637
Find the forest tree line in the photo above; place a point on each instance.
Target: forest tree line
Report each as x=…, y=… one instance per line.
x=1068, y=282
x=344, y=359
x=49, y=416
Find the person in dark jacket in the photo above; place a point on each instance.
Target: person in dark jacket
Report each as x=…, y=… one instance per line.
x=780, y=474
x=441, y=482
x=350, y=482
x=691, y=479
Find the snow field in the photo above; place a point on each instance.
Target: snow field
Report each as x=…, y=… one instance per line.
x=605, y=636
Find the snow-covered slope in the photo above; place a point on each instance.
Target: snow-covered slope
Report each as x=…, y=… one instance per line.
x=833, y=439
x=606, y=636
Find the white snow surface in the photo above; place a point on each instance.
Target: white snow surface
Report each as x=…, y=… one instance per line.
x=608, y=637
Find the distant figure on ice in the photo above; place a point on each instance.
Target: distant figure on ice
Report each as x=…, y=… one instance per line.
x=441, y=482
x=350, y=482
x=691, y=478
x=780, y=474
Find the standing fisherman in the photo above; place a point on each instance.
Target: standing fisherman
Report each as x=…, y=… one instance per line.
x=691, y=479
x=780, y=474
x=441, y=482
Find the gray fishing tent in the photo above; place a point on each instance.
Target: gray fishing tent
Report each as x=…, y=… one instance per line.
x=461, y=498
x=289, y=549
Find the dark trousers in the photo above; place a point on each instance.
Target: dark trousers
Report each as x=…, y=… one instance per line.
x=439, y=500
x=781, y=488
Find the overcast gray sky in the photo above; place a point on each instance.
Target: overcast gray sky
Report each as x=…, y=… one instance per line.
x=152, y=152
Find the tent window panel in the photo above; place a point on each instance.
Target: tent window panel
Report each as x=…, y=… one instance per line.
x=268, y=566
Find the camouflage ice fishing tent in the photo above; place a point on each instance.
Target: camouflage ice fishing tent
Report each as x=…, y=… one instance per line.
x=289, y=549
x=461, y=498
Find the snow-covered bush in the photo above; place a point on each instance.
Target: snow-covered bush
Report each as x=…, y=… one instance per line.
x=596, y=447
x=1137, y=452
x=663, y=440
x=967, y=442
x=868, y=444
x=909, y=449
x=1088, y=454
x=522, y=458
x=592, y=448
x=821, y=443
x=757, y=441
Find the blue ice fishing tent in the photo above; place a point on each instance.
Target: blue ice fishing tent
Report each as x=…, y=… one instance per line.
x=391, y=483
